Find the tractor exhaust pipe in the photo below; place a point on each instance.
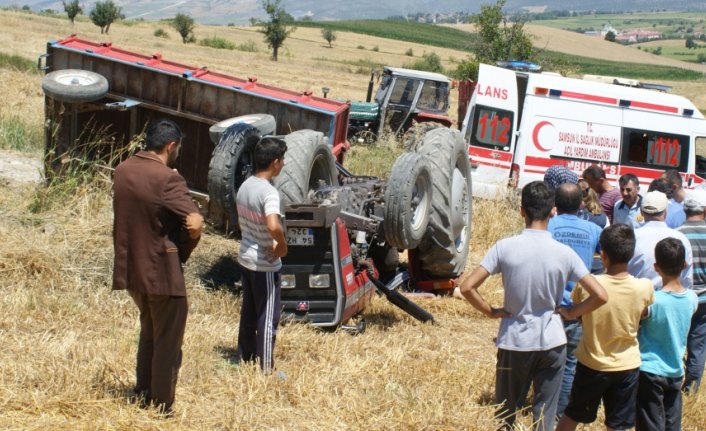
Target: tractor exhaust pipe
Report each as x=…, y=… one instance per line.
x=369, y=95
x=401, y=301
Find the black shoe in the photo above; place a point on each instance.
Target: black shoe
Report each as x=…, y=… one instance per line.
x=141, y=398
x=164, y=412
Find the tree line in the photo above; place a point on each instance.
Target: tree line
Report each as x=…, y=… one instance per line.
x=500, y=36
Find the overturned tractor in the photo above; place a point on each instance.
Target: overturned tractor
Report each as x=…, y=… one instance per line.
x=345, y=232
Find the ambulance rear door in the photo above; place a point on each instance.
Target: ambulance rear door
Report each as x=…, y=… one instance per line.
x=489, y=128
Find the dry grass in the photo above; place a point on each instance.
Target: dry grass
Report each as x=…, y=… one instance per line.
x=69, y=342
x=305, y=61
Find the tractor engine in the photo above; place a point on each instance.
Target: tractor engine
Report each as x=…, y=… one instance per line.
x=362, y=201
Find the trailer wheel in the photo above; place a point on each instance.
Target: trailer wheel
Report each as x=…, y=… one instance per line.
x=231, y=164
x=265, y=123
x=308, y=165
x=407, y=201
x=75, y=85
x=412, y=138
x=444, y=250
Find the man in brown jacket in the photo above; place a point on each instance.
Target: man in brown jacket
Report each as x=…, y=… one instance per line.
x=156, y=227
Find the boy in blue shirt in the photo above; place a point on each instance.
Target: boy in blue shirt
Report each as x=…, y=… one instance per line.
x=662, y=339
x=582, y=236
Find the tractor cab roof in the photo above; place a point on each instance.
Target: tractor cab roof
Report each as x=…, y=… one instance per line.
x=416, y=74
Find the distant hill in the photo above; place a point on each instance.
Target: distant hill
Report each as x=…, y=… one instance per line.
x=240, y=11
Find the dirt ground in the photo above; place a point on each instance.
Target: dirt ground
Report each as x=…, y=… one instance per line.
x=19, y=167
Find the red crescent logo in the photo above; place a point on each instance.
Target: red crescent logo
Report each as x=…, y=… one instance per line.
x=535, y=135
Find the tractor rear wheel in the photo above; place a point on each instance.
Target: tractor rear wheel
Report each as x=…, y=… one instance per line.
x=413, y=137
x=265, y=123
x=444, y=250
x=308, y=165
x=231, y=164
x=407, y=201
x=75, y=85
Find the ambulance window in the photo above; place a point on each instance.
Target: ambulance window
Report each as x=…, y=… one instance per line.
x=654, y=149
x=701, y=156
x=521, y=93
x=492, y=128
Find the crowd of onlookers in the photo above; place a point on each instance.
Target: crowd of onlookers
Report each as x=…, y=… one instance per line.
x=604, y=301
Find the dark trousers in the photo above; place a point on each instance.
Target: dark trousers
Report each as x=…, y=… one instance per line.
x=696, y=350
x=658, y=403
x=259, y=317
x=162, y=324
x=574, y=331
x=513, y=375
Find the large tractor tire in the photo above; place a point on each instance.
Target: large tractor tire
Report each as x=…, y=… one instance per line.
x=231, y=164
x=308, y=165
x=75, y=85
x=444, y=250
x=265, y=123
x=413, y=137
x=408, y=201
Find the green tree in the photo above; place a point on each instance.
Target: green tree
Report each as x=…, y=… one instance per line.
x=429, y=62
x=104, y=14
x=498, y=39
x=184, y=25
x=72, y=9
x=610, y=36
x=329, y=35
x=279, y=26
x=690, y=44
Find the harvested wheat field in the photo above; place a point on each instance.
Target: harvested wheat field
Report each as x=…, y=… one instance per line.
x=305, y=61
x=69, y=343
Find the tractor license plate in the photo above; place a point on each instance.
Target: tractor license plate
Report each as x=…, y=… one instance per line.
x=300, y=236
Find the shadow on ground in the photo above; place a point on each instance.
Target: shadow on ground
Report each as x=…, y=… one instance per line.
x=223, y=274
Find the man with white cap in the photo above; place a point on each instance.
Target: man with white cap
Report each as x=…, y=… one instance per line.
x=642, y=265
x=695, y=230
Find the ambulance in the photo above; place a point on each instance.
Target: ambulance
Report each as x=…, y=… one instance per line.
x=519, y=123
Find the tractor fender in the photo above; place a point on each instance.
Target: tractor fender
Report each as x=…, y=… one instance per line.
x=265, y=123
x=422, y=117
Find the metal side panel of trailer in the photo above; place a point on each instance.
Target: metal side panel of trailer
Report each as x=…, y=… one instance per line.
x=143, y=87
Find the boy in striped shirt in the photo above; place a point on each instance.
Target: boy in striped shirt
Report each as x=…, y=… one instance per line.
x=261, y=247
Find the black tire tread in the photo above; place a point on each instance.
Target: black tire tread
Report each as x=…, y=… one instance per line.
x=414, y=136
x=302, y=147
x=437, y=252
x=399, y=232
x=224, y=177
